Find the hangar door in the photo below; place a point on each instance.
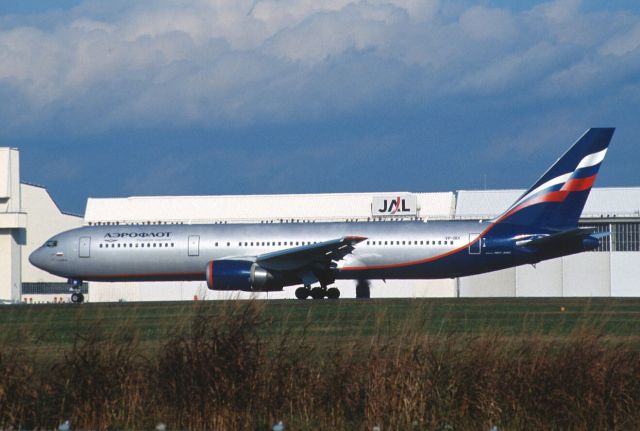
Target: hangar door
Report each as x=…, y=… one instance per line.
x=194, y=245
x=84, y=246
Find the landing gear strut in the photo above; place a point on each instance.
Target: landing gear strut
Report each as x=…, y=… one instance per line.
x=76, y=292
x=363, y=289
x=317, y=292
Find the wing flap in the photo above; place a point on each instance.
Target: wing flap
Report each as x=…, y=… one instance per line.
x=296, y=258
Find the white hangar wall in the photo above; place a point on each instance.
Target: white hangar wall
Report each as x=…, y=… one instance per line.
x=595, y=274
x=256, y=208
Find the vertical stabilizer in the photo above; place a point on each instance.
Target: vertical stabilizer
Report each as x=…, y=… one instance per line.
x=556, y=200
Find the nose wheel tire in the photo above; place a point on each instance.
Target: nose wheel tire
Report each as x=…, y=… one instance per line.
x=77, y=298
x=302, y=293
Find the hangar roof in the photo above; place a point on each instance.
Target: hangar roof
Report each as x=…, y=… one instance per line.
x=255, y=208
x=602, y=202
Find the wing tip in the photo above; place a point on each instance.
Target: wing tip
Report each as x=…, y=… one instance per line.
x=354, y=238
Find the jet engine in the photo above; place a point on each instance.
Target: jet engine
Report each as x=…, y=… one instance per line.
x=240, y=275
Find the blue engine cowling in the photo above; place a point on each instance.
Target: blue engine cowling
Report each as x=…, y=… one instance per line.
x=240, y=275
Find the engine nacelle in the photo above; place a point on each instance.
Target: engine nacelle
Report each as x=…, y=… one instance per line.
x=240, y=275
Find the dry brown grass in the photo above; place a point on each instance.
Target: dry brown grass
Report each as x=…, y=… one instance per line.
x=222, y=372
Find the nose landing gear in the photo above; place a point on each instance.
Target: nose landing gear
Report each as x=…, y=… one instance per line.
x=77, y=297
x=76, y=291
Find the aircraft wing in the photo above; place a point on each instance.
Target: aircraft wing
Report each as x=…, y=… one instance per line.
x=309, y=257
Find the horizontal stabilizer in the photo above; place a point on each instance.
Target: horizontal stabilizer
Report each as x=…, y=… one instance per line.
x=557, y=238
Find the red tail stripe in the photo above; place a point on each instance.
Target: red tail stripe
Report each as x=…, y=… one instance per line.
x=579, y=184
x=558, y=196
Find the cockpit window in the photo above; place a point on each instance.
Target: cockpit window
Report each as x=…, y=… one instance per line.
x=51, y=243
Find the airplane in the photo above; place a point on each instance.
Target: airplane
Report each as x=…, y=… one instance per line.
x=541, y=224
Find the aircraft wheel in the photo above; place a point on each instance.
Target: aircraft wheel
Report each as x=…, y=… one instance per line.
x=80, y=298
x=317, y=293
x=333, y=293
x=302, y=293
x=75, y=297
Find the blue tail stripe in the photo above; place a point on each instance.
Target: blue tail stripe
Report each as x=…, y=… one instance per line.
x=586, y=172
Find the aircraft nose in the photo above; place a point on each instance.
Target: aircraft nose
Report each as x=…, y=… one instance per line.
x=37, y=258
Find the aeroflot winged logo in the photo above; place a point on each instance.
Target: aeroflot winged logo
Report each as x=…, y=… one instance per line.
x=114, y=236
x=393, y=205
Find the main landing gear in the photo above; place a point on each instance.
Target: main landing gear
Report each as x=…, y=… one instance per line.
x=76, y=292
x=317, y=292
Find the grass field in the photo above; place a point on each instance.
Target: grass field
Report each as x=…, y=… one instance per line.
x=347, y=364
x=56, y=326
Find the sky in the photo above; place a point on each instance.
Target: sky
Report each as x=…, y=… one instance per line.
x=209, y=97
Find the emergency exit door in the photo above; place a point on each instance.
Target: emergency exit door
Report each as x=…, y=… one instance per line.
x=84, y=246
x=194, y=245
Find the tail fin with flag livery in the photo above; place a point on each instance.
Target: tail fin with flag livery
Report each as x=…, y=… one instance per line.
x=556, y=200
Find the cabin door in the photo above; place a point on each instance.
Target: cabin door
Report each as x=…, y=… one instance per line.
x=84, y=246
x=194, y=245
x=475, y=247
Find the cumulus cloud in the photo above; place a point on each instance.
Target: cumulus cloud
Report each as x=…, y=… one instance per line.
x=224, y=63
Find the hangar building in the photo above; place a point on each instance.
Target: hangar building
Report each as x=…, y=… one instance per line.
x=28, y=217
